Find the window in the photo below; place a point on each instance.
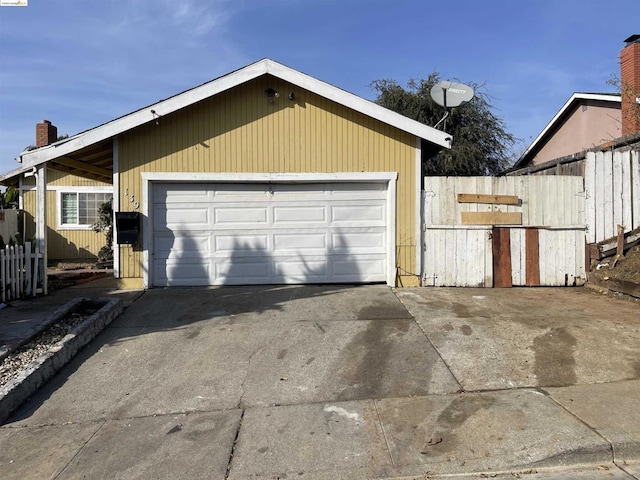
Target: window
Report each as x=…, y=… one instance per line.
x=80, y=209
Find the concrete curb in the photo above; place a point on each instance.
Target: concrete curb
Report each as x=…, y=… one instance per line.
x=57, y=314
x=14, y=393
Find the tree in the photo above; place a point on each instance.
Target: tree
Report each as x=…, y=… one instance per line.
x=481, y=144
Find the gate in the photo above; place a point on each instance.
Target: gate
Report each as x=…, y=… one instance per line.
x=505, y=231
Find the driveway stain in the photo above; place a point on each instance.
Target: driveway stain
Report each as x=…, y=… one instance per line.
x=366, y=364
x=380, y=310
x=191, y=333
x=554, y=358
x=282, y=354
x=454, y=415
x=461, y=310
x=466, y=330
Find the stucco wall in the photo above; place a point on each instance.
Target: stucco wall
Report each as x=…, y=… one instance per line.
x=590, y=124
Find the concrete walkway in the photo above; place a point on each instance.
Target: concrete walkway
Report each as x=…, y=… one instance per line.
x=343, y=382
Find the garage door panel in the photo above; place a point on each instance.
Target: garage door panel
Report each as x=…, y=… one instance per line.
x=190, y=217
x=347, y=267
x=239, y=270
x=260, y=234
x=239, y=243
x=359, y=242
x=300, y=241
x=358, y=214
x=240, y=215
x=182, y=274
x=230, y=192
x=183, y=193
x=301, y=270
x=183, y=247
x=300, y=214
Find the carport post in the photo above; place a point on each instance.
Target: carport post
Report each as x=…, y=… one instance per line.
x=41, y=221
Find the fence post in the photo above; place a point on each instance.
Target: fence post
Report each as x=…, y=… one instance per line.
x=3, y=275
x=27, y=268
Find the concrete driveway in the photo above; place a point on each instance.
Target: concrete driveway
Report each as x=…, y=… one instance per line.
x=342, y=382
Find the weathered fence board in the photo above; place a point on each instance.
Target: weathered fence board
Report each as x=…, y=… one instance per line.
x=455, y=254
x=612, y=186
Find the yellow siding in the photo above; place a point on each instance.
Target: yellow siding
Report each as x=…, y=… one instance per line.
x=61, y=244
x=239, y=131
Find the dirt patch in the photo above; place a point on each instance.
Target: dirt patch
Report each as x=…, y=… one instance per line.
x=58, y=279
x=626, y=269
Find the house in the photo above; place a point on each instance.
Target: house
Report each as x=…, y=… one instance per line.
x=589, y=120
x=262, y=176
x=72, y=200
x=584, y=121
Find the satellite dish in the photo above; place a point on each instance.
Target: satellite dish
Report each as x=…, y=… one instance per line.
x=449, y=94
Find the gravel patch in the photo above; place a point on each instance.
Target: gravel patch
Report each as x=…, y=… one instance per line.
x=17, y=361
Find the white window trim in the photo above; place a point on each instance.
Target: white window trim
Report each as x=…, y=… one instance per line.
x=60, y=190
x=149, y=179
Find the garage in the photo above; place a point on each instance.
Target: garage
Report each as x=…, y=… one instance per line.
x=270, y=233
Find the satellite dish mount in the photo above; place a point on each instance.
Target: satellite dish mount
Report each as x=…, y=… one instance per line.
x=450, y=95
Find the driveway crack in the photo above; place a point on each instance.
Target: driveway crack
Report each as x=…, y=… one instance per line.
x=102, y=424
x=246, y=375
x=384, y=434
x=234, y=446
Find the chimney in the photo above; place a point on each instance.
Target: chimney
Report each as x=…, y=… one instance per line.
x=46, y=133
x=630, y=85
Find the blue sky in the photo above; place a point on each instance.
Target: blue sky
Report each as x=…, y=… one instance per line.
x=80, y=63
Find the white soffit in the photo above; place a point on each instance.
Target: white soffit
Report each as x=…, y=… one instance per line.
x=226, y=82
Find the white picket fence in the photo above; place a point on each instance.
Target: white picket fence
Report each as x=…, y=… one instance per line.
x=19, y=268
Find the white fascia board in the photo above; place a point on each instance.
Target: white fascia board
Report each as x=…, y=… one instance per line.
x=144, y=115
x=574, y=98
x=359, y=104
x=13, y=173
x=226, y=82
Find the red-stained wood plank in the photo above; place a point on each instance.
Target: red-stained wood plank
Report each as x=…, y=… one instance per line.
x=532, y=257
x=501, y=246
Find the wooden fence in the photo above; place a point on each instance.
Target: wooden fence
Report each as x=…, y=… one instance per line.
x=612, y=186
x=527, y=229
x=19, y=268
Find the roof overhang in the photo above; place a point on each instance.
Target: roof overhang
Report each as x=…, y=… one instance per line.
x=70, y=146
x=575, y=99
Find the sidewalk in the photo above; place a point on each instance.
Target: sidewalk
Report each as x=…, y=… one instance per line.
x=21, y=319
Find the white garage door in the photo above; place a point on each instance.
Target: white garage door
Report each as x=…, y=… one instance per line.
x=233, y=234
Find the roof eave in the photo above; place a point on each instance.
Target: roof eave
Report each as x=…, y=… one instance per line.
x=219, y=85
x=568, y=104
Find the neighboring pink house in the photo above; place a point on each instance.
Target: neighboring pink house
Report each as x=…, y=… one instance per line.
x=585, y=121
x=589, y=120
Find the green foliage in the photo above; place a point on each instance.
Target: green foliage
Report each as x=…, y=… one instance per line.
x=481, y=144
x=9, y=198
x=104, y=224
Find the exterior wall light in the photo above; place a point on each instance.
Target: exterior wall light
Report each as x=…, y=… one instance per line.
x=271, y=94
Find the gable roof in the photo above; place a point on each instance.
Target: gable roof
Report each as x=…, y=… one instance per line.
x=221, y=84
x=566, y=109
